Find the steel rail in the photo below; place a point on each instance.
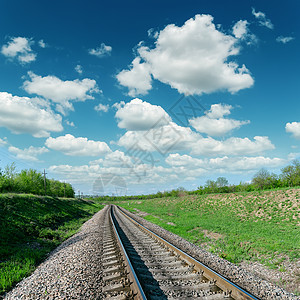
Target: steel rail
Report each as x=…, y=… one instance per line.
x=135, y=284
x=223, y=283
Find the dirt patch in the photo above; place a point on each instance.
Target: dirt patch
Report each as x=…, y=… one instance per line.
x=140, y=213
x=212, y=235
x=289, y=278
x=171, y=223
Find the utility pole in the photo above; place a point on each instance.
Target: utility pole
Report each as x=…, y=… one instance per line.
x=64, y=190
x=79, y=194
x=45, y=181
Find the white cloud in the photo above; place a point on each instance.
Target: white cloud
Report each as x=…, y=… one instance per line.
x=218, y=111
x=19, y=48
x=284, y=39
x=164, y=139
x=101, y=107
x=214, y=124
x=293, y=155
x=3, y=142
x=140, y=115
x=138, y=79
x=101, y=51
x=59, y=91
x=70, y=123
x=232, y=146
x=42, y=44
x=171, y=138
x=294, y=129
x=25, y=115
x=80, y=146
x=262, y=19
x=78, y=69
x=193, y=59
x=30, y=153
x=240, y=29
x=224, y=164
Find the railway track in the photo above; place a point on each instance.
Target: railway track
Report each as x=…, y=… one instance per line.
x=138, y=264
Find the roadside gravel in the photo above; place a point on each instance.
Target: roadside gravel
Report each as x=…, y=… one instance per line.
x=72, y=270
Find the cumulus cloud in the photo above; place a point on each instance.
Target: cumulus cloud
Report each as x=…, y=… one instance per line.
x=25, y=115
x=140, y=115
x=294, y=129
x=101, y=107
x=284, y=39
x=241, y=31
x=231, y=146
x=19, y=48
x=59, y=91
x=101, y=51
x=262, y=19
x=163, y=139
x=29, y=154
x=193, y=59
x=224, y=164
x=78, y=69
x=213, y=122
x=81, y=146
x=165, y=136
x=137, y=79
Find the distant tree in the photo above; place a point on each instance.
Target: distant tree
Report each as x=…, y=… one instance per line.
x=263, y=179
x=221, y=182
x=291, y=174
x=211, y=186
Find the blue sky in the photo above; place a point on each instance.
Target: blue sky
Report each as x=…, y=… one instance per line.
x=123, y=97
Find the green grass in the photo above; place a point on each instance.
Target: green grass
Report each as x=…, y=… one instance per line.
x=255, y=226
x=32, y=226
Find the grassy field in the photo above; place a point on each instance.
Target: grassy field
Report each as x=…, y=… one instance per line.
x=257, y=226
x=32, y=226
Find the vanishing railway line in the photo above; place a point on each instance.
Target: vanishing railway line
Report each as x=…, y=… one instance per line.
x=138, y=264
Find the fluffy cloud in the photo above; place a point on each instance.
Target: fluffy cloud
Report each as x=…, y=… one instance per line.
x=192, y=59
x=164, y=139
x=214, y=124
x=232, y=146
x=30, y=153
x=138, y=118
x=240, y=29
x=101, y=51
x=78, y=69
x=294, y=129
x=42, y=44
x=262, y=19
x=138, y=79
x=284, y=39
x=59, y=91
x=140, y=115
x=3, y=142
x=19, y=48
x=101, y=107
x=25, y=115
x=73, y=146
x=224, y=164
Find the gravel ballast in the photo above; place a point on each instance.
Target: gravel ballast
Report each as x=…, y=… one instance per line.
x=250, y=282
x=72, y=270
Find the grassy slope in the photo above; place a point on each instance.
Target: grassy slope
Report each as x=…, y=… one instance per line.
x=32, y=226
x=257, y=226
